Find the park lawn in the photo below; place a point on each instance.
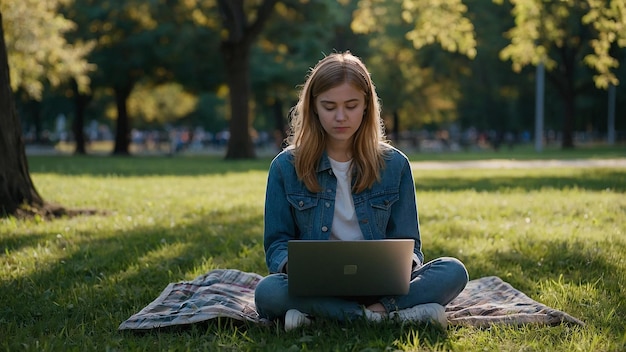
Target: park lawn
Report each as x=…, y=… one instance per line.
x=558, y=235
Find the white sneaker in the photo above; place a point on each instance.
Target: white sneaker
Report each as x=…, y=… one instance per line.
x=429, y=312
x=295, y=318
x=374, y=317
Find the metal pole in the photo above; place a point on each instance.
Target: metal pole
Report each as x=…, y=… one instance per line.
x=539, y=93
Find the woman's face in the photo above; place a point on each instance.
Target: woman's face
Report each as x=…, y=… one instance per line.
x=340, y=110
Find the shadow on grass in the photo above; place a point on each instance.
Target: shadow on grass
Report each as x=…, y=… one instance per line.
x=142, y=165
x=588, y=179
x=17, y=242
x=588, y=276
x=102, y=280
x=487, y=181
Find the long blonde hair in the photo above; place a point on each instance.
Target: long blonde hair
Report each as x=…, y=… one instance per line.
x=307, y=136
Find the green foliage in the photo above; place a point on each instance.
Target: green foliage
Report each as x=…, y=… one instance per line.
x=610, y=24
x=432, y=21
x=162, y=103
x=37, y=49
x=541, y=26
x=291, y=43
x=65, y=285
x=492, y=97
x=400, y=35
x=134, y=39
x=210, y=111
x=154, y=56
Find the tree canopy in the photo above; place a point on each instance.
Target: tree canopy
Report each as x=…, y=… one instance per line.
x=38, y=50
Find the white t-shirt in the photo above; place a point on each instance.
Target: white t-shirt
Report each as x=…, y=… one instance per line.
x=345, y=225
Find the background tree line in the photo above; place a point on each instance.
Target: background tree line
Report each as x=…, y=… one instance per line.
x=236, y=64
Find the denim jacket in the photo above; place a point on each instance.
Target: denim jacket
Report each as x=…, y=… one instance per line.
x=386, y=210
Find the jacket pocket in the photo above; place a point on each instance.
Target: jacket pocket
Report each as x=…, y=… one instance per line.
x=303, y=210
x=381, y=209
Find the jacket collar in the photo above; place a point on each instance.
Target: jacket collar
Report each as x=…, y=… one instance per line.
x=324, y=164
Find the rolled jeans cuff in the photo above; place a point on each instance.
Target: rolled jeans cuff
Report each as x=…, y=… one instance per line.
x=389, y=303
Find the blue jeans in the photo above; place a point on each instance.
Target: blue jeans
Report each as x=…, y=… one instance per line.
x=438, y=281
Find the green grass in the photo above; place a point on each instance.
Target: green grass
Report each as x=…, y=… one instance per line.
x=527, y=152
x=556, y=234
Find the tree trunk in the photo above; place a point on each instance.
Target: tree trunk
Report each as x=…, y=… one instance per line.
x=236, y=54
x=16, y=187
x=568, y=95
x=122, y=132
x=80, y=104
x=237, y=60
x=280, y=130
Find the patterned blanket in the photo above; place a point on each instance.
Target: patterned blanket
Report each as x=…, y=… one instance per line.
x=229, y=293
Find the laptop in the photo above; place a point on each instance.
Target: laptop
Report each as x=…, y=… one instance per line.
x=350, y=268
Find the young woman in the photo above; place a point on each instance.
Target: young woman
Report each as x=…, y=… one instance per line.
x=339, y=179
